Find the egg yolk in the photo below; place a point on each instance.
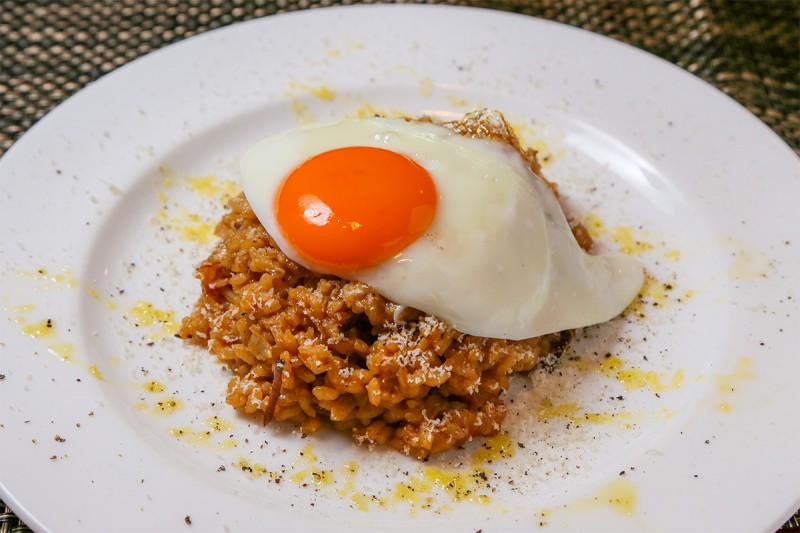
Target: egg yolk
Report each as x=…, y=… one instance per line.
x=353, y=207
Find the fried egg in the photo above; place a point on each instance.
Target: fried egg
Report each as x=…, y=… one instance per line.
x=458, y=227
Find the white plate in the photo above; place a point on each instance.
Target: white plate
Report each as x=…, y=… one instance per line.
x=97, y=202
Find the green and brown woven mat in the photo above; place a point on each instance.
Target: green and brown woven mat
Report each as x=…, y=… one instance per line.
x=750, y=49
x=9, y=523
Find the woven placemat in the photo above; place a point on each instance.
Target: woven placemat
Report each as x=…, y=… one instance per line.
x=51, y=49
x=748, y=49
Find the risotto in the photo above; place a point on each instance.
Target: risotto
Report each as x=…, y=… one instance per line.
x=310, y=349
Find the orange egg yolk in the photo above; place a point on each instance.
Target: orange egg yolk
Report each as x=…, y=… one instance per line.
x=351, y=208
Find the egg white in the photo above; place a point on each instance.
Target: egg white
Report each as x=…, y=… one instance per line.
x=498, y=260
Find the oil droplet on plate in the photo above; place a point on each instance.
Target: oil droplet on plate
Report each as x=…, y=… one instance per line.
x=216, y=424
x=167, y=406
x=45, y=328
x=311, y=473
x=154, y=386
x=621, y=494
x=63, y=350
x=96, y=296
x=211, y=187
x=629, y=244
x=255, y=470
x=724, y=407
x=594, y=225
x=728, y=383
x=493, y=449
x=144, y=314
x=93, y=370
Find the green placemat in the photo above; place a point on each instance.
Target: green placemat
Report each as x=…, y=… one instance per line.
x=51, y=49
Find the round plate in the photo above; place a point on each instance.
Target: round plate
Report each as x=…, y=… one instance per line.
x=678, y=416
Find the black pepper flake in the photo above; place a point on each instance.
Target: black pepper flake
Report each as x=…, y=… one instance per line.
x=59, y=438
x=2, y=377
x=188, y=520
x=622, y=473
x=221, y=468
